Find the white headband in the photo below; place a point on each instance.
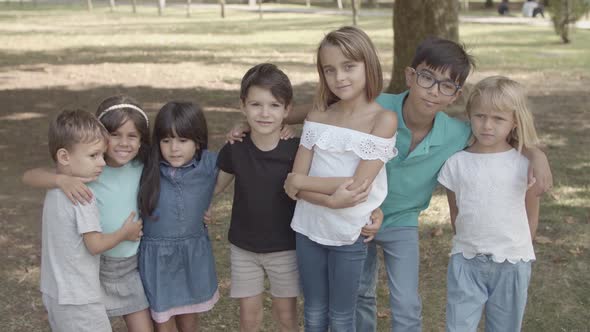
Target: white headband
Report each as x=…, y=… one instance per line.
x=119, y=106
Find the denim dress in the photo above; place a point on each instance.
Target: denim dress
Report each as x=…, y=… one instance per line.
x=175, y=258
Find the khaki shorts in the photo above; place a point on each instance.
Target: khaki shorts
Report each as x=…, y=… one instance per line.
x=247, y=273
x=76, y=318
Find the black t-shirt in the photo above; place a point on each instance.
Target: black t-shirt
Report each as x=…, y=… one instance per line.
x=261, y=211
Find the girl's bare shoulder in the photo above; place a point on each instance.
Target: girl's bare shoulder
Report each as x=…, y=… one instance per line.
x=385, y=122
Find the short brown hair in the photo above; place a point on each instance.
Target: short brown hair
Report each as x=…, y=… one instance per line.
x=268, y=76
x=72, y=127
x=356, y=45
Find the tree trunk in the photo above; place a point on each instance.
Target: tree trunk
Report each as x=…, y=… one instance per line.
x=339, y=2
x=565, y=19
x=307, y=3
x=222, y=5
x=260, y=9
x=89, y=4
x=134, y=6
x=112, y=5
x=465, y=5
x=414, y=20
x=356, y=4
x=188, y=8
x=161, y=6
x=252, y=3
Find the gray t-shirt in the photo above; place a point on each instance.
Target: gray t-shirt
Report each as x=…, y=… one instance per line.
x=69, y=273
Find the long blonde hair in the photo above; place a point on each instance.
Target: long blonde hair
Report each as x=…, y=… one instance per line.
x=356, y=46
x=502, y=94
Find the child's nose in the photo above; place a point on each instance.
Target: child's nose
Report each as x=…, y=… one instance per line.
x=434, y=89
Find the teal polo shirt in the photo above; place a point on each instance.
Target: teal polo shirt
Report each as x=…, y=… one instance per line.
x=411, y=177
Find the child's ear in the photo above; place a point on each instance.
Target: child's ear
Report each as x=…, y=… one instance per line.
x=409, y=73
x=63, y=157
x=456, y=96
x=242, y=106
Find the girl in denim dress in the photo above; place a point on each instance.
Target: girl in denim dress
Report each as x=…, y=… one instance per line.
x=175, y=258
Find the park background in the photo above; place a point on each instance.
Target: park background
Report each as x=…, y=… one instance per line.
x=58, y=55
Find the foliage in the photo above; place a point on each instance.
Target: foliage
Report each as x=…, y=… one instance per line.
x=565, y=13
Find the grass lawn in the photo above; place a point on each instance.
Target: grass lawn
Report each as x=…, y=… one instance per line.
x=59, y=57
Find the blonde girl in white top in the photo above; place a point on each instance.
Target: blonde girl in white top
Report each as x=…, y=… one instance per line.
x=492, y=213
x=346, y=140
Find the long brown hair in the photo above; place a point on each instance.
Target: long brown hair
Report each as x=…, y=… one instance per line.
x=181, y=119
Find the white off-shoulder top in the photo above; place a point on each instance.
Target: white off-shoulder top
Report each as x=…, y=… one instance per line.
x=337, y=152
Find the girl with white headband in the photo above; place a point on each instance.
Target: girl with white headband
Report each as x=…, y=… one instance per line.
x=116, y=192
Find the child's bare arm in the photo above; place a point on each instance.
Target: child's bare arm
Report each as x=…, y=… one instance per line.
x=532, y=203
x=223, y=180
x=98, y=242
x=539, y=174
x=73, y=187
x=452, y=208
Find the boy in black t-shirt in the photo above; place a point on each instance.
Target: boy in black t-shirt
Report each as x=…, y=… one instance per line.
x=260, y=234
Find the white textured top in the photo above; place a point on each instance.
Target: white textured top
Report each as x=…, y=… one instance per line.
x=490, y=191
x=337, y=152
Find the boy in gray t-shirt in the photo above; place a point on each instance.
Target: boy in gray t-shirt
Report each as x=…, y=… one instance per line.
x=71, y=236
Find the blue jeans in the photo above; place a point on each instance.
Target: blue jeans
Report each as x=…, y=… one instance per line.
x=330, y=278
x=401, y=254
x=479, y=282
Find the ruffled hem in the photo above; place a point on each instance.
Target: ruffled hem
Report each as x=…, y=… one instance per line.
x=339, y=139
x=162, y=317
x=498, y=259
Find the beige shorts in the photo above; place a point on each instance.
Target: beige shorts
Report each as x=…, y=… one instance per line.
x=248, y=268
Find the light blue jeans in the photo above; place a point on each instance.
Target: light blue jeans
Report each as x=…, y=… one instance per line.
x=330, y=278
x=401, y=254
x=479, y=282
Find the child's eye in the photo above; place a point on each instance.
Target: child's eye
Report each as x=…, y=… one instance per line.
x=183, y=140
x=165, y=140
x=328, y=70
x=276, y=105
x=114, y=134
x=349, y=67
x=427, y=77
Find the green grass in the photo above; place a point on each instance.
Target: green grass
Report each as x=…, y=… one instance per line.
x=55, y=57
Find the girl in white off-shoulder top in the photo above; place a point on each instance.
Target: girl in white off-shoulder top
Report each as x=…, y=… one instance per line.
x=339, y=177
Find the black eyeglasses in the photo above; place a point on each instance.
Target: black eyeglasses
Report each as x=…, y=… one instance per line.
x=427, y=81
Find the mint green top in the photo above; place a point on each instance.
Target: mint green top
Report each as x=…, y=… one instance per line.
x=411, y=177
x=116, y=194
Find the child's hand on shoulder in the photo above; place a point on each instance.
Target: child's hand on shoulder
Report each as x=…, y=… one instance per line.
x=132, y=229
x=343, y=197
x=287, y=132
x=370, y=230
x=75, y=188
x=237, y=133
